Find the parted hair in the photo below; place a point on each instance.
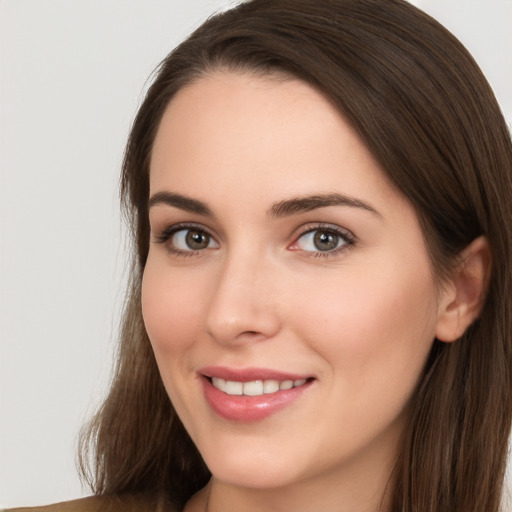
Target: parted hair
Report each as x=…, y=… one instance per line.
x=424, y=109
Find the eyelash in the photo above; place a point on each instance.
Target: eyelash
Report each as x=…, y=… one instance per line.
x=167, y=233
x=346, y=236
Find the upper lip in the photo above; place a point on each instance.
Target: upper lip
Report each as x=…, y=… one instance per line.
x=249, y=374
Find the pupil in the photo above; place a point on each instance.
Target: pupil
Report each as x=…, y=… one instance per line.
x=325, y=241
x=197, y=240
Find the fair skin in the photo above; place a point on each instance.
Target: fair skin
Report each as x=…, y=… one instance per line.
x=338, y=291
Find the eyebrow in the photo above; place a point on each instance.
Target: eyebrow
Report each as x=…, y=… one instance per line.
x=284, y=208
x=179, y=201
x=307, y=203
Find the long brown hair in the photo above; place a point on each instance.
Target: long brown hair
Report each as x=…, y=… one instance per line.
x=424, y=109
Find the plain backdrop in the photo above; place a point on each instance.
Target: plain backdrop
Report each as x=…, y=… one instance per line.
x=72, y=73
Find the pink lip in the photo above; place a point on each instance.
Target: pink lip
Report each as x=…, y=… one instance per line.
x=243, y=408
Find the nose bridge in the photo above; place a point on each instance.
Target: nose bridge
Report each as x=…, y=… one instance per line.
x=241, y=305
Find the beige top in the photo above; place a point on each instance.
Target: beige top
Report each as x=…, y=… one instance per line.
x=99, y=504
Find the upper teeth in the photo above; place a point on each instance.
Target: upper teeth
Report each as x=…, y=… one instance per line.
x=254, y=387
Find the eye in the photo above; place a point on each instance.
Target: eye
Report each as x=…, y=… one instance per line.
x=191, y=240
x=183, y=239
x=326, y=240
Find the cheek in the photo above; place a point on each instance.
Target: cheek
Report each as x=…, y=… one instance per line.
x=375, y=333
x=376, y=327
x=171, y=310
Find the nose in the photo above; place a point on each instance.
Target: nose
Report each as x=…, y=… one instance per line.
x=242, y=308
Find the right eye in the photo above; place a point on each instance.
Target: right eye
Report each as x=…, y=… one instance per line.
x=191, y=240
x=187, y=240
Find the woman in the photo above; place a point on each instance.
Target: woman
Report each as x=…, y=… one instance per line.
x=319, y=316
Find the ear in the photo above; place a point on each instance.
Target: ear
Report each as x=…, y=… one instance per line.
x=463, y=296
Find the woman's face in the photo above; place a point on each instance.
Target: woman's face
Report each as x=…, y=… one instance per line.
x=281, y=256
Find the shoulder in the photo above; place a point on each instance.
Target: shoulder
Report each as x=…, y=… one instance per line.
x=99, y=504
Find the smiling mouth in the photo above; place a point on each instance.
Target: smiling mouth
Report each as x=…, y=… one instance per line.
x=255, y=387
x=251, y=394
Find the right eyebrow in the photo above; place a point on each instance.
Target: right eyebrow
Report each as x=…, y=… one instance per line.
x=179, y=201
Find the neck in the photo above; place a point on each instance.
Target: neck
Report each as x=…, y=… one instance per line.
x=308, y=498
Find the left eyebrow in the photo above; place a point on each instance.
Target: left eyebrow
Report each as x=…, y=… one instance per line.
x=307, y=203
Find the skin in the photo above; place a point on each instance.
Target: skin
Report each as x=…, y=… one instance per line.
x=359, y=319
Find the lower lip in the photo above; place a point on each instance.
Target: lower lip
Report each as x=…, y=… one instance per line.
x=244, y=408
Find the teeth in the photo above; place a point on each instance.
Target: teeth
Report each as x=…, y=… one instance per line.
x=234, y=388
x=270, y=386
x=255, y=387
x=286, y=384
x=219, y=383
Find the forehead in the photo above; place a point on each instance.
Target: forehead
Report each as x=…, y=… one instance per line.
x=262, y=133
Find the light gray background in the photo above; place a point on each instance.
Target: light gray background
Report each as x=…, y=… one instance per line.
x=72, y=73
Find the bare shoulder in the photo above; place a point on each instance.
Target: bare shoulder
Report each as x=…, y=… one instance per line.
x=100, y=504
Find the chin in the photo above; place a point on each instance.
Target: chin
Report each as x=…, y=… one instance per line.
x=252, y=476
x=253, y=470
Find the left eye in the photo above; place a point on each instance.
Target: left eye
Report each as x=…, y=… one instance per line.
x=320, y=240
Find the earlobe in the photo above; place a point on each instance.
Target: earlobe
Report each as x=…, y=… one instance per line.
x=463, y=297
